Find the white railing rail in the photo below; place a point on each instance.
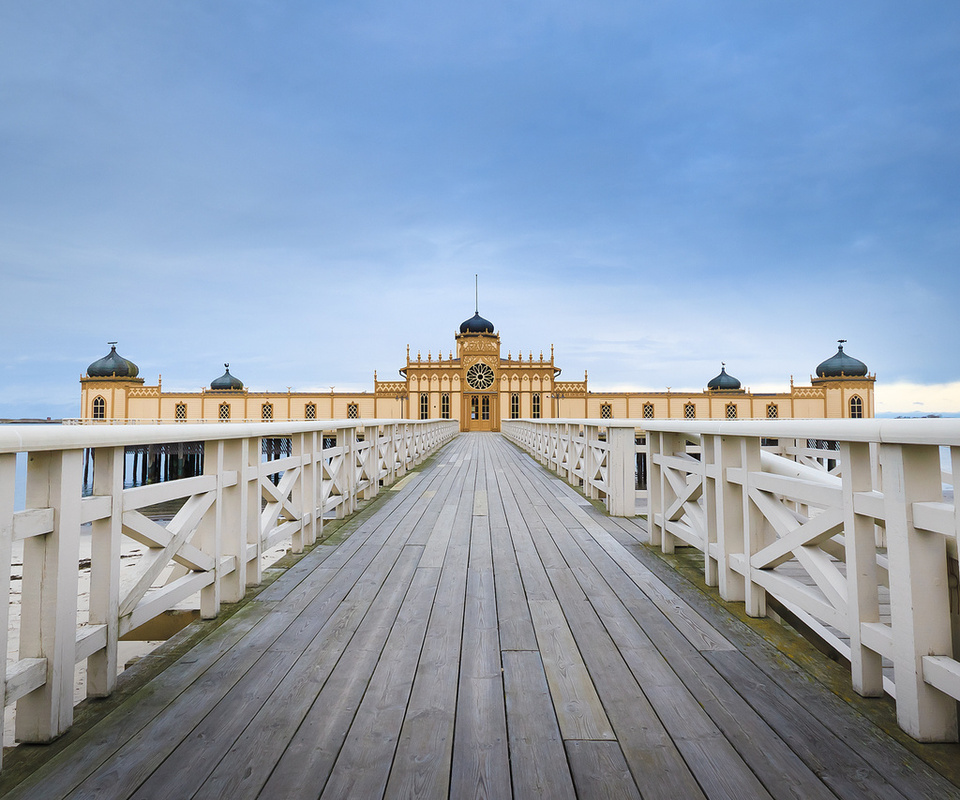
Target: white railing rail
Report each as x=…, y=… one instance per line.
x=599, y=456
x=832, y=519
x=239, y=507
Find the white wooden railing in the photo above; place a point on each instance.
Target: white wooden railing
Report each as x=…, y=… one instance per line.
x=238, y=508
x=598, y=456
x=831, y=520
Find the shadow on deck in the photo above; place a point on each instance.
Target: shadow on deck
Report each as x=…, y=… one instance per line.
x=483, y=631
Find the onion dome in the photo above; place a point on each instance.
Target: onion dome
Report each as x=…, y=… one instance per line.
x=841, y=365
x=476, y=324
x=113, y=365
x=723, y=381
x=226, y=382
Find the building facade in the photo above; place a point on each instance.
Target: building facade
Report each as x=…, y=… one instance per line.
x=476, y=385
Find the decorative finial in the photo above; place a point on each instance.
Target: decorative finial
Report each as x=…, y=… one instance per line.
x=841, y=343
x=226, y=366
x=112, y=344
x=476, y=291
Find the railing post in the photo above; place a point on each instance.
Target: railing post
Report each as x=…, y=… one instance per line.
x=371, y=460
x=105, y=536
x=655, y=506
x=919, y=598
x=346, y=441
x=8, y=477
x=209, y=530
x=621, y=495
x=48, y=614
x=300, y=494
x=753, y=522
x=863, y=606
x=710, y=458
x=233, y=510
x=729, y=510
x=673, y=445
x=390, y=452
x=249, y=499
x=314, y=526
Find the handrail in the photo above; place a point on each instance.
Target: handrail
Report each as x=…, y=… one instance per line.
x=211, y=549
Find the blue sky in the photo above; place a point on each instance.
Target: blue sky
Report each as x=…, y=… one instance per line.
x=303, y=189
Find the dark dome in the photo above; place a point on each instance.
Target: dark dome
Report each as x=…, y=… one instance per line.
x=841, y=365
x=226, y=381
x=476, y=324
x=113, y=365
x=724, y=381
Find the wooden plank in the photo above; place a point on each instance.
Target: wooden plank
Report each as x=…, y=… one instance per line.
x=689, y=622
x=65, y=771
x=769, y=757
x=538, y=761
x=421, y=764
x=840, y=767
x=244, y=769
x=363, y=764
x=600, y=771
x=183, y=747
x=578, y=707
x=310, y=755
x=481, y=766
x=644, y=740
x=822, y=688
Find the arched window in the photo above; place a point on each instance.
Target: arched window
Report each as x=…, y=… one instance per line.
x=772, y=411
x=310, y=412
x=535, y=405
x=445, y=405
x=99, y=408
x=224, y=412
x=648, y=410
x=353, y=411
x=515, y=405
x=731, y=411
x=689, y=411
x=856, y=407
x=180, y=412
x=424, y=405
x=266, y=412
x=606, y=411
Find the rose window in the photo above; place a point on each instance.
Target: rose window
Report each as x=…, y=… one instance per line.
x=480, y=376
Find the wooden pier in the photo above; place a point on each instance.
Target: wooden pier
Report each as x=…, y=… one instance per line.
x=481, y=630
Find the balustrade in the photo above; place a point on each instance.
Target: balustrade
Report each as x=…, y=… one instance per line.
x=207, y=554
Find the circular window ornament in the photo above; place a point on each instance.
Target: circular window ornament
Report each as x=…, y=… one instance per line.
x=480, y=376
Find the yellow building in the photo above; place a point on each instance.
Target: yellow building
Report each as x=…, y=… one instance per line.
x=478, y=387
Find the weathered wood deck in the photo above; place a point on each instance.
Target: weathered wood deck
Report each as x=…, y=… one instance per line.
x=484, y=632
